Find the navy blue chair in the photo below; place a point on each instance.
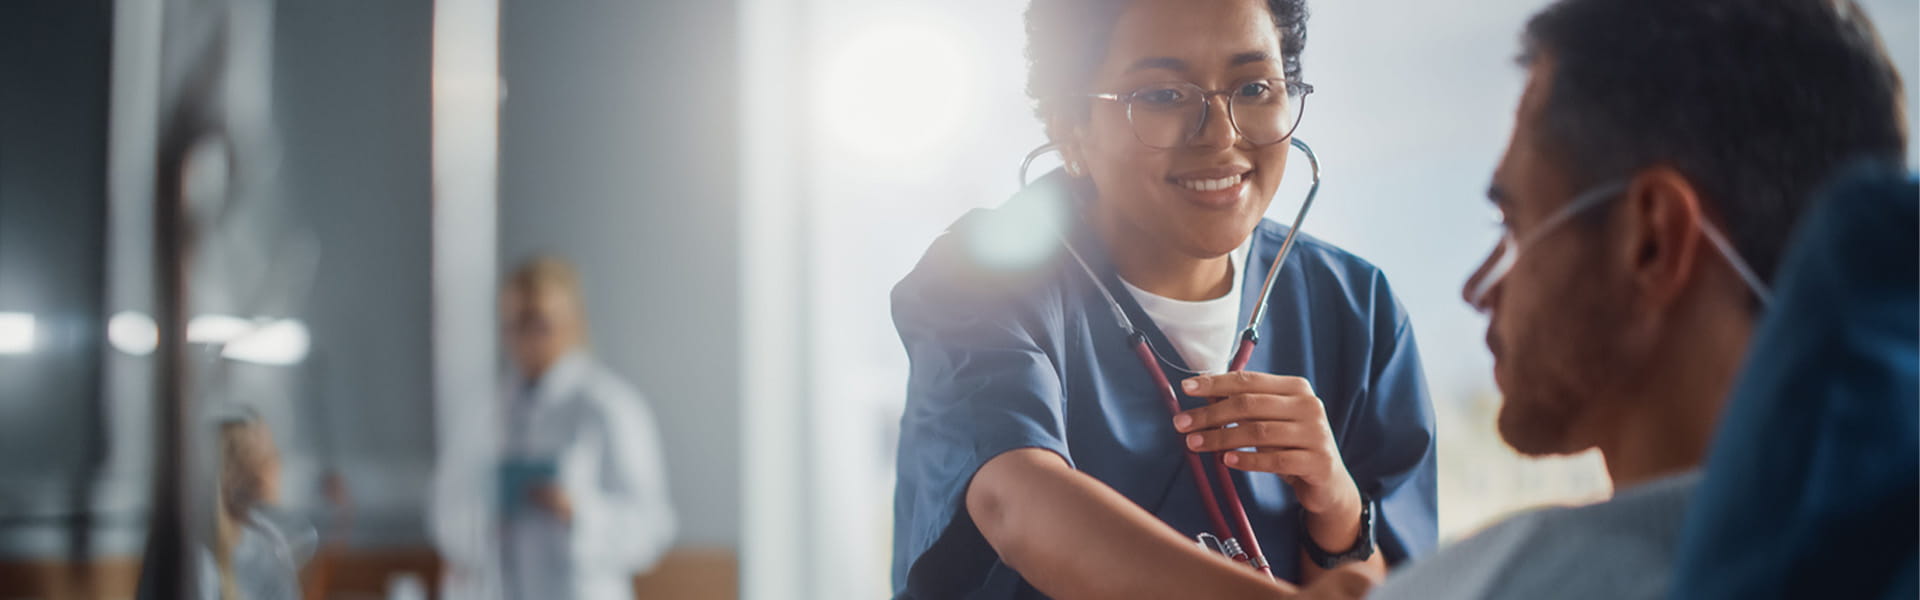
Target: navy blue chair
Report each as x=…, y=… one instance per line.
x=1812, y=485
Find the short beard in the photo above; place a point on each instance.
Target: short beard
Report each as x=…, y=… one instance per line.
x=1542, y=428
x=1566, y=375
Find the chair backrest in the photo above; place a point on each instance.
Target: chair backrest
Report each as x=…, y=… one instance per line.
x=1812, y=486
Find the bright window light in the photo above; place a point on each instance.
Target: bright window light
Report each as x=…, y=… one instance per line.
x=132, y=332
x=267, y=342
x=896, y=90
x=1019, y=235
x=215, y=329
x=282, y=342
x=17, y=333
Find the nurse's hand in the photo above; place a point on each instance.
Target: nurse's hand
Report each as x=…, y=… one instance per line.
x=1280, y=427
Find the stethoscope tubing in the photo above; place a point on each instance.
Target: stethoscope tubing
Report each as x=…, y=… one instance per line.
x=1233, y=521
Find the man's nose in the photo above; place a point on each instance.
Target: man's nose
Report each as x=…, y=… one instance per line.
x=1477, y=291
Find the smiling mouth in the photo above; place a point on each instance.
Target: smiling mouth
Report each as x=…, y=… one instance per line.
x=1210, y=185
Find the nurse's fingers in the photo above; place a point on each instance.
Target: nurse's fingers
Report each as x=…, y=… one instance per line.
x=1308, y=464
x=1260, y=434
x=1250, y=407
x=1245, y=382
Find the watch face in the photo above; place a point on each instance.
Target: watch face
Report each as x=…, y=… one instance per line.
x=1364, y=549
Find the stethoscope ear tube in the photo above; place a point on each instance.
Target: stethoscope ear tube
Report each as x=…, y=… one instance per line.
x=1286, y=245
x=1027, y=163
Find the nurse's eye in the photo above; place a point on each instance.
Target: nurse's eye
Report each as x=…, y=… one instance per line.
x=1162, y=97
x=1258, y=91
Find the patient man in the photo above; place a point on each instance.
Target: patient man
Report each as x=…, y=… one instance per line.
x=1661, y=154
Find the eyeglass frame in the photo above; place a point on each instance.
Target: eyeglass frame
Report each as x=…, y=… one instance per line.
x=1206, y=108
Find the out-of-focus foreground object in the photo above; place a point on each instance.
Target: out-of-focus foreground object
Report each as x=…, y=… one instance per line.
x=1811, y=484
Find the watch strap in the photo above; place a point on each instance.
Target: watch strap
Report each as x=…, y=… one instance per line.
x=1362, y=544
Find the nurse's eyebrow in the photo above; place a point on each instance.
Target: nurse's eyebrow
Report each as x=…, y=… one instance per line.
x=1247, y=58
x=1496, y=195
x=1158, y=62
x=1174, y=64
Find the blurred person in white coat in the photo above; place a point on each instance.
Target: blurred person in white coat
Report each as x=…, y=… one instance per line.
x=557, y=488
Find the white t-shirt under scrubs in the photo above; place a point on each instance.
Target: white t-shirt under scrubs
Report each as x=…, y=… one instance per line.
x=1204, y=332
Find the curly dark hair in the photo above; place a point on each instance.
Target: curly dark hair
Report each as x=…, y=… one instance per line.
x=1067, y=40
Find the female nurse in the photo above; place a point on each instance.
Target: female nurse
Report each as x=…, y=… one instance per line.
x=1036, y=457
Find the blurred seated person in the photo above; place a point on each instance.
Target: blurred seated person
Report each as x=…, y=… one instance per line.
x=562, y=495
x=255, y=554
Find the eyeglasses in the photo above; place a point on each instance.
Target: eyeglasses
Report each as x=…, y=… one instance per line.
x=1170, y=115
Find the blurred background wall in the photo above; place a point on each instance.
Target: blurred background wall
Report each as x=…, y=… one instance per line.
x=617, y=152
x=53, y=152
x=353, y=105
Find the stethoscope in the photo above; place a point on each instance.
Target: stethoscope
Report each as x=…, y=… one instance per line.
x=1236, y=541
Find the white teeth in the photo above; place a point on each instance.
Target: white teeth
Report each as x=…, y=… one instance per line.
x=1210, y=185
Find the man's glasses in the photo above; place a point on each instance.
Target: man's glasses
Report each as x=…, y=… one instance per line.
x=1170, y=115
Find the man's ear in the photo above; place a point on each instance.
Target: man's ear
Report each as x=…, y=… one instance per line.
x=1662, y=215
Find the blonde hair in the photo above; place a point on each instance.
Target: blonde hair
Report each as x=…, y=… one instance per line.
x=545, y=272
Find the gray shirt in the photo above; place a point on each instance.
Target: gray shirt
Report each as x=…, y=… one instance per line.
x=1618, y=549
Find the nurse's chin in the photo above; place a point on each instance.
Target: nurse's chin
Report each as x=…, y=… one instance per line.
x=1215, y=238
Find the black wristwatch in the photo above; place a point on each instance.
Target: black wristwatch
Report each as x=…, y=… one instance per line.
x=1362, y=546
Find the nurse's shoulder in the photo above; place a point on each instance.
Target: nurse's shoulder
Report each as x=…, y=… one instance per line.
x=1001, y=262
x=1335, y=278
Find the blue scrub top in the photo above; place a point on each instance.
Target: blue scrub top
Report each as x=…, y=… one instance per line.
x=1031, y=356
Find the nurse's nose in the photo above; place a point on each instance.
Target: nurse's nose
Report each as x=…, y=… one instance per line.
x=1216, y=127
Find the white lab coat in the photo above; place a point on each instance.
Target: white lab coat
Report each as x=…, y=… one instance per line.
x=266, y=560
x=602, y=439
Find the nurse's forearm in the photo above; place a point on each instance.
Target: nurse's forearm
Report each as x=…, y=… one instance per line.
x=1071, y=536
